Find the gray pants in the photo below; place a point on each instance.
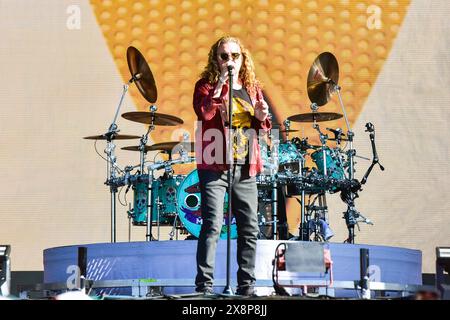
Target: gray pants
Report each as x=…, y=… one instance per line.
x=213, y=186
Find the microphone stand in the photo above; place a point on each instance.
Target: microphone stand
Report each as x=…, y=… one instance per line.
x=228, y=290
x=371, y=128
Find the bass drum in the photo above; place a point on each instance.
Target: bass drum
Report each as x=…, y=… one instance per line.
x=189, y=208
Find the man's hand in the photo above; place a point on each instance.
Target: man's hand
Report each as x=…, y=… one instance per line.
x=261, y=110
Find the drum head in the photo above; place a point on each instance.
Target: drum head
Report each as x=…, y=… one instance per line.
x=189, y=208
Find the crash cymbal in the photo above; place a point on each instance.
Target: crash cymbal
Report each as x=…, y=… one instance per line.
x=315, y=116
x=114, y=137
x=158, y=119
x=142, y=75
x=322, y=78
x=164, y=146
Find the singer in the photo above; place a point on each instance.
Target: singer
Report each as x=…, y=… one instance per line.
x=250, y=114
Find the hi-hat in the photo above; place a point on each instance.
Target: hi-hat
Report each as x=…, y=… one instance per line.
x=164, y=146
x=141, y=74
x=157, y=119
x=323, y=76
x=315, y=117
x=116, y=136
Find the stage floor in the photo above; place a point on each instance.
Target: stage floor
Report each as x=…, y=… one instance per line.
x=176, y=260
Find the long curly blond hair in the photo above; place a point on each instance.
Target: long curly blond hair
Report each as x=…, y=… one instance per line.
x=247, y=72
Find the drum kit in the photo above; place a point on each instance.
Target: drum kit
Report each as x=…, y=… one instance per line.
x=174, y=199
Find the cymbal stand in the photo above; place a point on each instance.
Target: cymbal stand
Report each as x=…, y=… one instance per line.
x=287, y=126
x=144, y=139
x=184, y=157
x=111, y=163
x=303, y=227
x=274, y=185
x=322, y=195
x=349, y=196
x=351, y=152
x=111, y=171
x=323, y=141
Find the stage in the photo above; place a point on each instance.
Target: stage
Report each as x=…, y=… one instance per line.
x=174, y=262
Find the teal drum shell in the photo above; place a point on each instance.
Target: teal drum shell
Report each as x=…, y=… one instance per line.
x=166, y=205
x=189, y=208
x=288, y=153
x=163, y=200
x=288, y=156
x=334, y=163
x=140, y=203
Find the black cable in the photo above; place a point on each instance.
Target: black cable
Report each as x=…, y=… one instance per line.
x=118, y=197
x=280, y=290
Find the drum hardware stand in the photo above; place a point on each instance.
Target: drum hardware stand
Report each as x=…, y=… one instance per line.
x=110, y=147
x=274, y=186
x=113, y=130
x=350, y=194
x=129, y=222
x=148, y=235
x=323, y=203
x=184, y=157
x=315, y=224
x=287, y=126
x=143, y=152
x=174, y=229
x=112, y=186
x=350, y=135
x=130, y=211
x=303, y=228
x=323, y=141
x=274, y=209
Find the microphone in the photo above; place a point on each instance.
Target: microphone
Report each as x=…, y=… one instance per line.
x=230, y=69
x=370, y=127
x=127, y=177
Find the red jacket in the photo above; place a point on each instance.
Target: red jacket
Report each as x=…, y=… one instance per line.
x=213, y=115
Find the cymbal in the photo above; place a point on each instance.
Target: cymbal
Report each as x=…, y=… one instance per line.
x=164, y=146
x=322, y=78
x=168, y=146
x=115, y=137
x=136, y=148
x=315, y=116
x=142, y=75
x=158, y=119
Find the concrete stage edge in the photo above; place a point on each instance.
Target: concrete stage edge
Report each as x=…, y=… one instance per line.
x=176, y=260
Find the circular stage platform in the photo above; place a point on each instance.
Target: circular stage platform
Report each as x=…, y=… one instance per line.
x=176, y=261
